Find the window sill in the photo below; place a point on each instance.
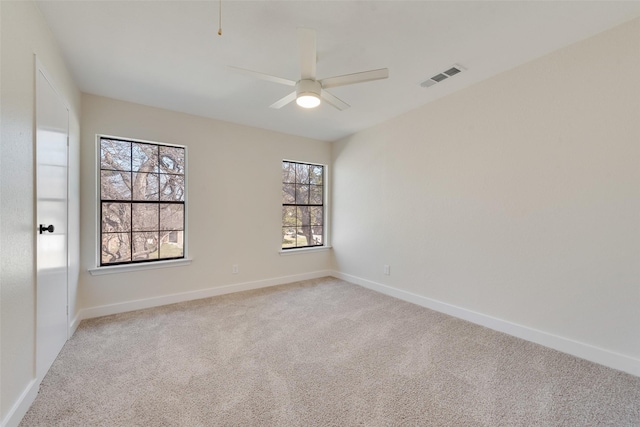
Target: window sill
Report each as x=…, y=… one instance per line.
x=304, y=250
x=99, y=271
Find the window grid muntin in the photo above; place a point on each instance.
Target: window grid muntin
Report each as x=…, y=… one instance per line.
x=131, y=201
x=308, y=183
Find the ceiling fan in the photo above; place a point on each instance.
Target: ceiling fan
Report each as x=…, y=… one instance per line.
x=309, y=91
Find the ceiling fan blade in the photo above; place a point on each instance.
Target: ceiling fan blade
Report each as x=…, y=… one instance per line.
x=349, y=79
x=263, y=76
x=308, y=53
x=284, y=101
x=333, y=100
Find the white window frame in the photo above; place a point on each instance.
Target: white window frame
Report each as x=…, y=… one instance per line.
x=121, y=268
x=326, y=213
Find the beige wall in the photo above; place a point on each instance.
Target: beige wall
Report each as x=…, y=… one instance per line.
x=23, y=34
x=518, y=198
x=234, y=192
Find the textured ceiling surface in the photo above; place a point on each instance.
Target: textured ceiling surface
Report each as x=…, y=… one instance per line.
x=168, y=54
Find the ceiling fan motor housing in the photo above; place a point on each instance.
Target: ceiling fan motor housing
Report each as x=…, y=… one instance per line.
x=308, y=93
x=308, y=87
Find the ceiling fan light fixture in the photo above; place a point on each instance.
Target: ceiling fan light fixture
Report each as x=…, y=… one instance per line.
x=308, y=93
x=308, y=100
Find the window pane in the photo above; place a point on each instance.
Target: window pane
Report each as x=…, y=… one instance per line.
x=303, y=205
x=145, y=246
x=288, y=237
x=315, y=195
x=302, y=173
x=116, y=247
x=288, y=193
x=288, y=172
x=302, y=194
x=315, y=174
x=144, y=157
x=145, y=186
x=316, y=233
x=171, y=244
x=172, y=160
x=143, y=175
x=316, y=215
x=172, y=188
x=171, y=216
x=116, y=217
x=115, y=155
x=115, y=185
x=303, y=236
x=289, y=216
x=302, y=213
x=145, y=216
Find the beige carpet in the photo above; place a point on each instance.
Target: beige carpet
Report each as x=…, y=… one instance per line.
x=319, y=353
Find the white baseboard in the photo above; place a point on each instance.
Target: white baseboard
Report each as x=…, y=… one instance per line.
x=22, y=405
x=74, y=324
x=584, y=351
x=105, y=310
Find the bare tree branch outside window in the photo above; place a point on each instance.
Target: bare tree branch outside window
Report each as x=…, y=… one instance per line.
x=142, y=201
x=302, y=205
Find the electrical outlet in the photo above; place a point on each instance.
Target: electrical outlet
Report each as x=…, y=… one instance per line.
x=235, y=269
x=387, y=270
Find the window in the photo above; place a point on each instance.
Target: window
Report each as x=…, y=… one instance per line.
x=142, y=201
x=302, y=205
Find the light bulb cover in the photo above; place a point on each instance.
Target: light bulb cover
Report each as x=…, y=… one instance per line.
x=308, y=100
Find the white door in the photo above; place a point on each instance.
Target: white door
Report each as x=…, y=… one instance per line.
x=52, y=131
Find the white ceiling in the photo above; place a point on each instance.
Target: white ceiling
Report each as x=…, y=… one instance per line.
x=168, y=54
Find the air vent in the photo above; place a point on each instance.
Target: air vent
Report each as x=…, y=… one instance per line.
x=442, y=76
x=452, y=71
x=439, y=77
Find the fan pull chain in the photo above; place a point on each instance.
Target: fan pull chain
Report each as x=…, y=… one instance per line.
x=220, y=18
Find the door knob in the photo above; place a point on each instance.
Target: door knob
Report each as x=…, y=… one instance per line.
x=50, y=228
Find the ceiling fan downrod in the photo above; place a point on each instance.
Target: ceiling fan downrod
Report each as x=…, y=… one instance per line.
x=220, y=18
